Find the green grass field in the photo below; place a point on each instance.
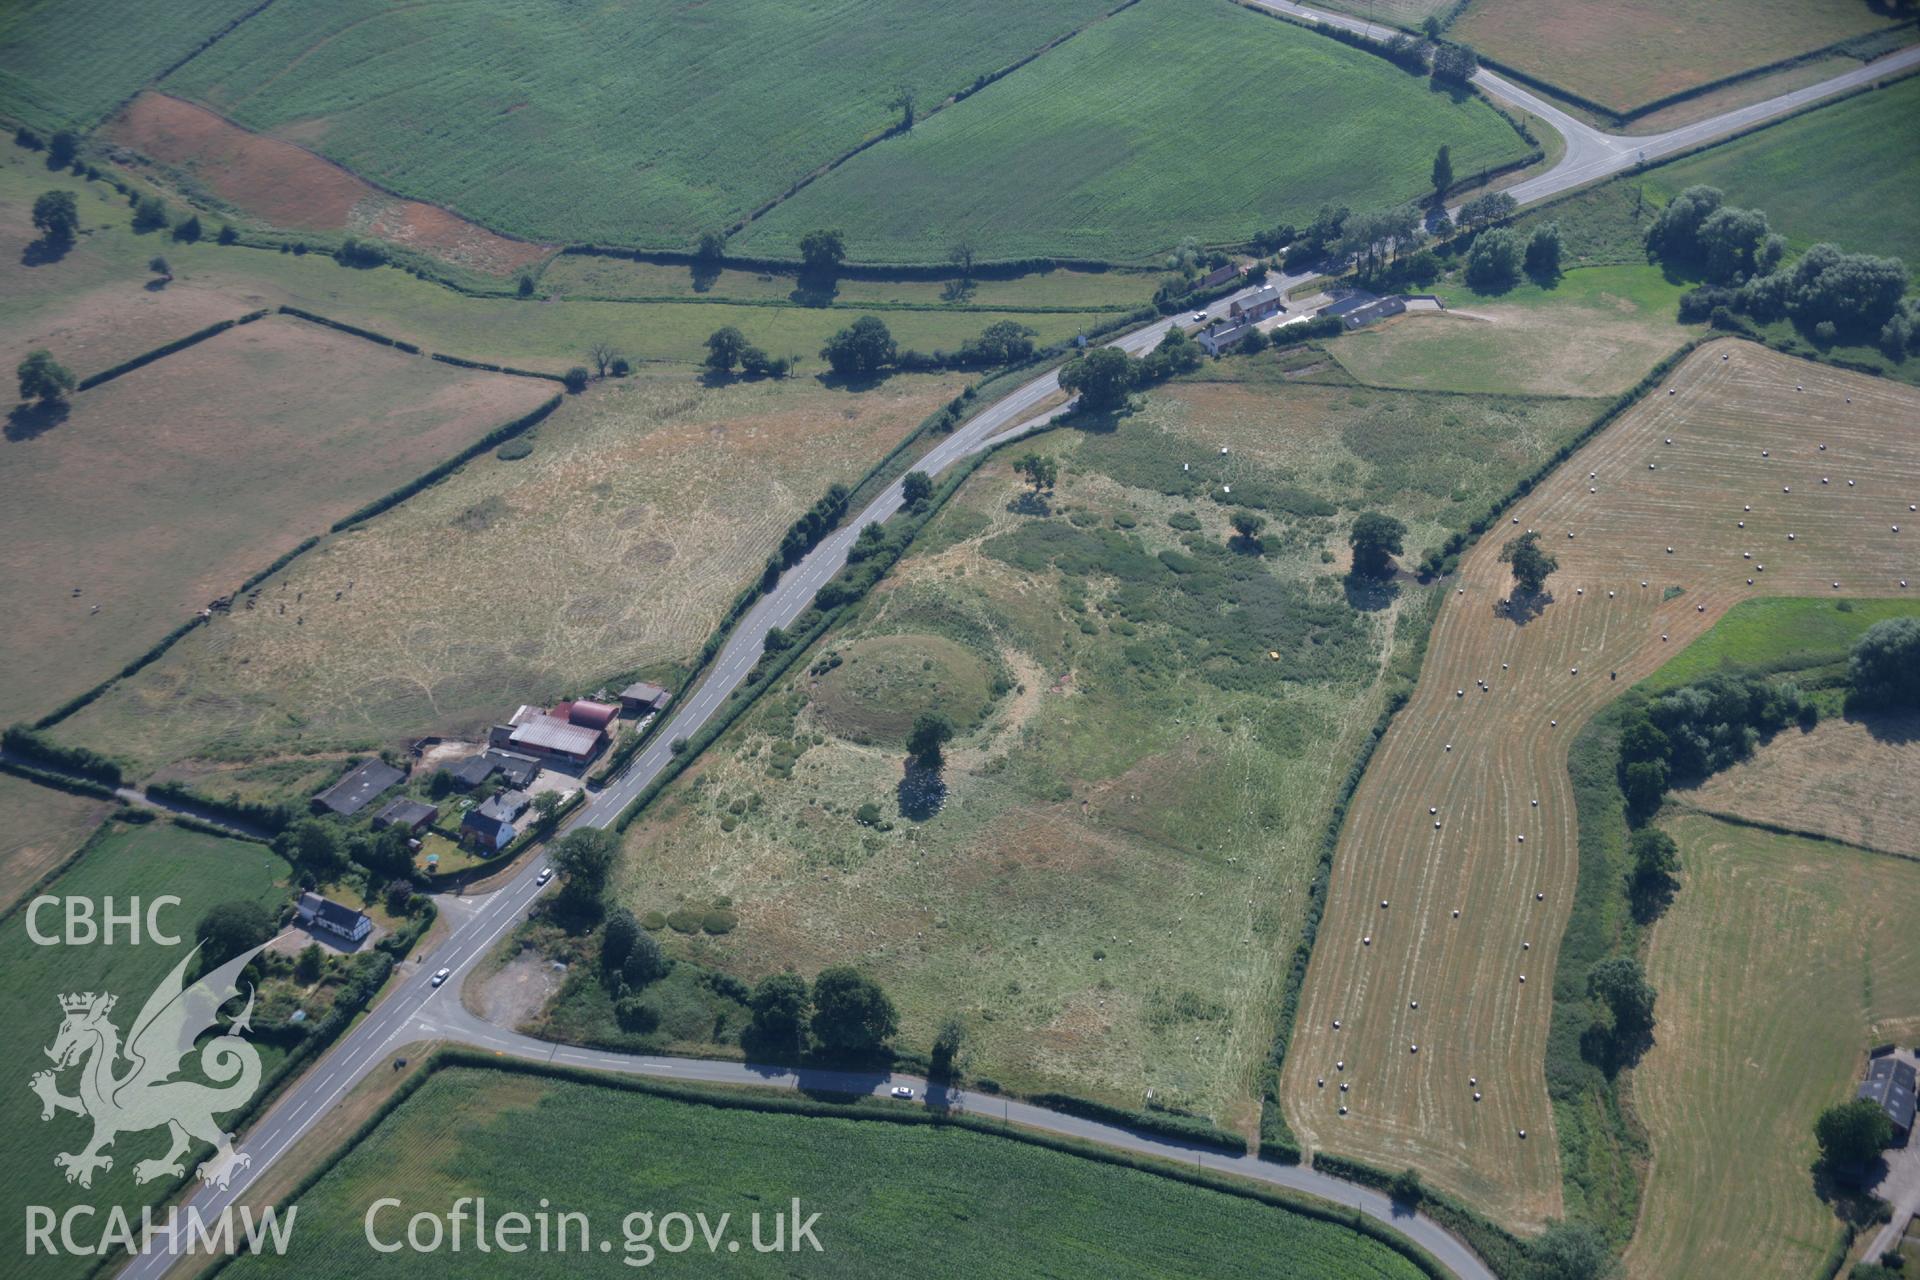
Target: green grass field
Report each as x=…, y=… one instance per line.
x=1786, y=633
x=637, y=122
x=892, y=1200
x=1840, y=173
x=1109, y=896
x=1594, y=332
x=70, y=62
x=1631, y=52
x=1779, y=962
x=1174, y=118
x=124, y=862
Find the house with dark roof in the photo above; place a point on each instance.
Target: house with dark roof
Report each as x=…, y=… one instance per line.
x=412, y=816
x=1220, y=275
x=490, y=826
x=326, y=915
x=358, y=789
x=1890, y=1084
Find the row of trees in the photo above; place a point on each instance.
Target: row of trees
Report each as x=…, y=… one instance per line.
x=1834, y=294
x=844, y=1013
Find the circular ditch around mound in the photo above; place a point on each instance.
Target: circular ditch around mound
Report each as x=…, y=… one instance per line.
x=883, y=682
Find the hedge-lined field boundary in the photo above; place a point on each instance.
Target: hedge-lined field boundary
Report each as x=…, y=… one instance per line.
x=493, y=439
x=354, y=329
x=178, y=344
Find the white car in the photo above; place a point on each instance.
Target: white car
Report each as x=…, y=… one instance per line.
x=441, y=977
x=1198, y=317
x=903, y=1093
x=545, y=875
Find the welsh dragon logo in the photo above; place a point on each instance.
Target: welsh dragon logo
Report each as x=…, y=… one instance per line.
x=130, y=1088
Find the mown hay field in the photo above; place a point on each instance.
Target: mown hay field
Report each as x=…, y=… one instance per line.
x=644, y=508
x=995, y=1206
x=166, y=488
x=1109, y=894
x=1173, y=118
x=637, y=123
x=1595, y=332
x=1851, y=778
x=1482, y=757
x=38, y=828
x=1779, y=963
x=124, y=862
x=1631, y=52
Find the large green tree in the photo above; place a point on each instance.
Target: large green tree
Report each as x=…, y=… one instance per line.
x=1852, y=1133
x=584, y=859
x=865, y=346
x=1531, y=565
x=931, y=732
x=1376, y=539
x=1883, y=671
x=43, y=378
x=851, y=1014
x=779, y=1003
x=57, y=218
x=230, y=928
x=724, y=347
x=823, y=251
x=1041, y=471
x=1572, y=1251
x=1101, y=378
x=1442, y=172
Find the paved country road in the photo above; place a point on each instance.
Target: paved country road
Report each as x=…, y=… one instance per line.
x=411, y=1010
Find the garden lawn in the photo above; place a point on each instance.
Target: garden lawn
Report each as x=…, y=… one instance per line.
x=638, y=122
x=1174, y=118
x=124, y=862
x=892, y=1200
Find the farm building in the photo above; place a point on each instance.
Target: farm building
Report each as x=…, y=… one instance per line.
x=643, y=698
x=549, y=737
x=490, y=826
x=1379, y=309
x=1257, y=305
x=411, y=816
x=514, y=769
x=1890, y=1083
x=329, y=916
x=357, y=789
x=592, y=715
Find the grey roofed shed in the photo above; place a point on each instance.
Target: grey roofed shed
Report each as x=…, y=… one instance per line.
x=358, y=788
